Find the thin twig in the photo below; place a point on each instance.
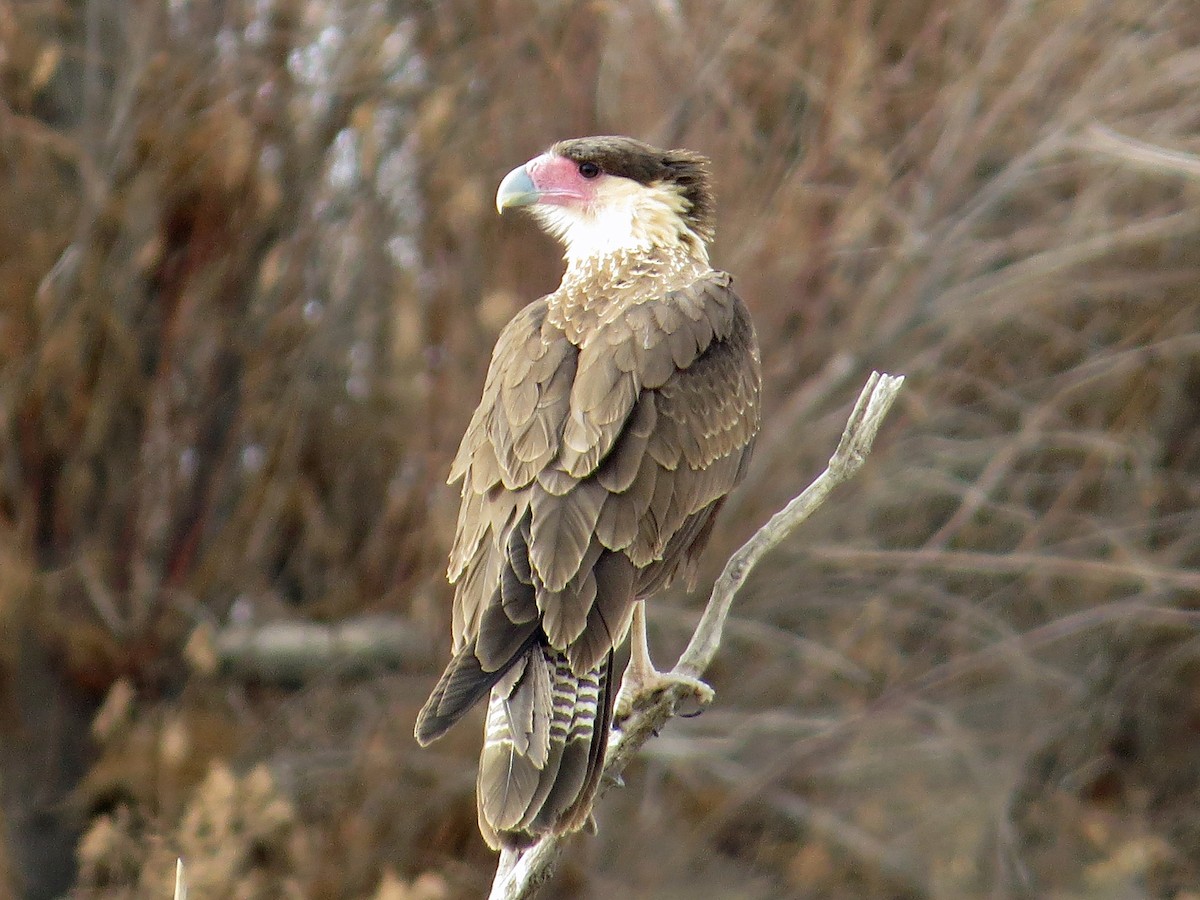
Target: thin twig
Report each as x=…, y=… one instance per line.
x=1126, y=573
x=1145, y=156
x=519, y=876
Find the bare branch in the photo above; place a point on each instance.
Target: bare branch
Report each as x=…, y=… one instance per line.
x=291, y=652
x=1125, y=573
x=873, y=405
x=518, y=876
x=1145, y=156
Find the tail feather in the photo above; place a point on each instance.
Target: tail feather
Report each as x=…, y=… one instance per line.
x=507, y=779
x=582, y=757
x=523, y=793
x=546, y=780
x=576, y=815
x=461, y=686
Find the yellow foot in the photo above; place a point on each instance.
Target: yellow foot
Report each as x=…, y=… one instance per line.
x=640, y=689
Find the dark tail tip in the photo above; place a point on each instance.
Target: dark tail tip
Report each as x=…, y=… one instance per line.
x=462, y=685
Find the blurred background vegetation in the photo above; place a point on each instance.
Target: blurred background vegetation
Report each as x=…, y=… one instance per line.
x=250, y=276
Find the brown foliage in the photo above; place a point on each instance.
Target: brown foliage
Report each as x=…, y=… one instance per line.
x=236, y=834
x=249, y=275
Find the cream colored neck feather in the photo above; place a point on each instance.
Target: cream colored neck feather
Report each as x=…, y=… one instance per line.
x=626, y=217
x=597, y=290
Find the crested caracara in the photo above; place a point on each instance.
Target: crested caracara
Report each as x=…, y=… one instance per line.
x=617, y=413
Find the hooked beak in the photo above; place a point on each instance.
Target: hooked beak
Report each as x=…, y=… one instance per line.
x=517, y=189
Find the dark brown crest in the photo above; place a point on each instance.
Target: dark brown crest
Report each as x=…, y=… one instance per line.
x=647, y=164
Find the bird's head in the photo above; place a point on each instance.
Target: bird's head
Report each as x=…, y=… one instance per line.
x=603, y=195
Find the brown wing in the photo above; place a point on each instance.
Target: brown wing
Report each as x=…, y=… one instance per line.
x=590, y=473
x=704, y=417
x=624, y=445
x=514, y=435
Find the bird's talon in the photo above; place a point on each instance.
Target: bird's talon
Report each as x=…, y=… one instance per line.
x=647, y=688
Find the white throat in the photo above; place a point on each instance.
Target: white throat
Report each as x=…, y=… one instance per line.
x=625, y=217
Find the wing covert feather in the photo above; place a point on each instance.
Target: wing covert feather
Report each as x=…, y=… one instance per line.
x=592, y=469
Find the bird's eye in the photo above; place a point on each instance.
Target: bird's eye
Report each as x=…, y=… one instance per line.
x=589, y=170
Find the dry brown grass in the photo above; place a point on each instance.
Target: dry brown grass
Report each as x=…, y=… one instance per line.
x=249, y=277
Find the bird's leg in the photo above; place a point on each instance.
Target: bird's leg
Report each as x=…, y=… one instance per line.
x=642, y=680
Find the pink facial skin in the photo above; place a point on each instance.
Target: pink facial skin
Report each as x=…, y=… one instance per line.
x=558, y=181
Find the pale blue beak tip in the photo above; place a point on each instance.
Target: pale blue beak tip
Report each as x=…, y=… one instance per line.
x=516, y=189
